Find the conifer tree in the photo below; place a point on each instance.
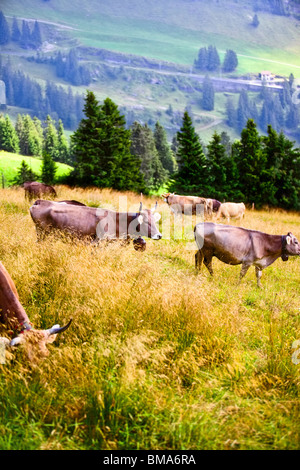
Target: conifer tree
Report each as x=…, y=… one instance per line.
x=4, y=30
x=251, y=163
x=208, y=94
x=192, y=173
x=36, y=37
x=62, y=144
x=25, y=39
x=48, y=169
x=50, y=139
x=15, y=31
x=101, y=148
x=216, y=167
x=230, y=62
x=9, y=140
x=24, y=174
x=163, y=148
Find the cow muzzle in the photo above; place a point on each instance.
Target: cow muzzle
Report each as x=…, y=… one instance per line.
x=157, y=236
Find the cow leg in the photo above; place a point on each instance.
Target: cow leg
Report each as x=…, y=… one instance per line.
x=258, y=273
x=198, y=259
x=244, y=269
x=208, y=264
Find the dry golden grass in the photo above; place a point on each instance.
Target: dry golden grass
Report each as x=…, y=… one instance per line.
x=157, y=356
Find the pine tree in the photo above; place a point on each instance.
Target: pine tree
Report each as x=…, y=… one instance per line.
x=9, y=140
x=143, y=147
x=25, y=40
x=230, y=62
x=192, y=173
x=216, y=167
x=49, y=169
x=62, y=144
x=208, y=94
x=36, y=37
x=85, y=143
x=4, y=30
x=213, y=59
x=201, y=62
x=15, y=31
x=231, y=113
x=50, y=139
x=163, y=148
x=251, y=164
x=101, y=148
x=24, y=174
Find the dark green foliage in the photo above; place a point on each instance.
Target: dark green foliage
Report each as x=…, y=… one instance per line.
x=208, y=59
x=101, y=148
x=9, y=140
x=164, y=149
x=250, y=163
x=191, y=177
x=217, y=160
x=24, y=173
x=144, y=148
x=4, y=30
x=15, y=31
x=230, y=61
x=48, y=169
x=208, y=95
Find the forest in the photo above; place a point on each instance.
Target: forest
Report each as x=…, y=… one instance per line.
x=259, y=169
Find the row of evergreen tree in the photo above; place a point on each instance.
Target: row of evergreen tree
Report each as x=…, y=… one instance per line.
x=208, y=59
x=277, y=109
x=255, y=169
x=55, y=101
x=31, y=137
x=27, y=37
x=264, y=170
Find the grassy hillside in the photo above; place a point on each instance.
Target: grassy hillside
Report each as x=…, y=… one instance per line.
x=157, y=356
x=11, y=162
x=173, y=30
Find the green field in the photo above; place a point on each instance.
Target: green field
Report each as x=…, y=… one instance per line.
x=10, y=163
x=175, y=30
x=158, y=357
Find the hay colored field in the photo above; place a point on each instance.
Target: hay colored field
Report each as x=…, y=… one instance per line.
x=158, y=356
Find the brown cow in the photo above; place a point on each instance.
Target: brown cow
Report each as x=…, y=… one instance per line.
x=237, y=245
x=187, y=204
x=93, y=223
x=229, y=210
x=13, y=314
x=36, y=190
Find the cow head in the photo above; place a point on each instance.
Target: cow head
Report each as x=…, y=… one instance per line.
x=147, y=220
x=35, y=341
x=290, y=246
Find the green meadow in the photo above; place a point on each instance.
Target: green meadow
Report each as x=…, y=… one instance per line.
x=158, y=356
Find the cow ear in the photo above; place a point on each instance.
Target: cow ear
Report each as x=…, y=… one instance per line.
x=140, y=219
x=288, y=239
x=156, y=216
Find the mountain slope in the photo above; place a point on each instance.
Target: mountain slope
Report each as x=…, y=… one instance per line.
x=173, y=30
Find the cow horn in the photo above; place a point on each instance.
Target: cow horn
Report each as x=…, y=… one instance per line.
x=57, y=329
x=141, y=206
x=155, y=207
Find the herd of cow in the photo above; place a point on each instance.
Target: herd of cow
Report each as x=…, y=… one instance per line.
x=230, y=244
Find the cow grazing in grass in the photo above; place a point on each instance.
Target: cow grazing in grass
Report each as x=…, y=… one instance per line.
x=230, y=210
x=237, y=245
x=188, y=204
x=13, y=315
x=36, y=190
x=93, y=223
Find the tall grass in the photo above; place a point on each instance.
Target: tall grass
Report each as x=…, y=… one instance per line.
x=158, y=356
